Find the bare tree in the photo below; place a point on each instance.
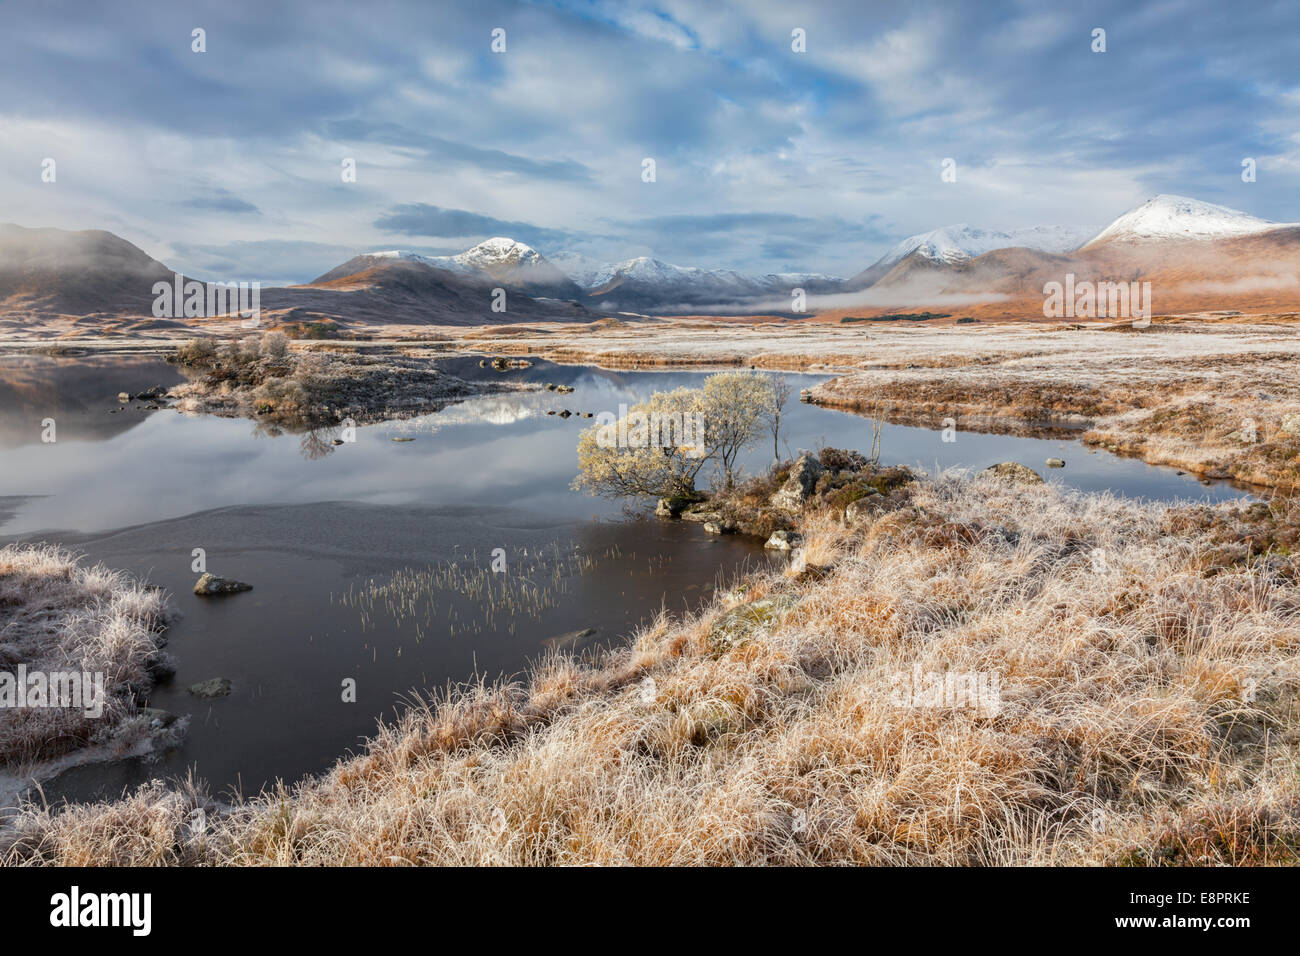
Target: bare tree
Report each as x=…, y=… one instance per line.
x=779, y=394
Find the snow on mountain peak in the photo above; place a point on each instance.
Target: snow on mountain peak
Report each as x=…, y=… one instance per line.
x=499, y=251
x=957, y=243
x=1178, y=217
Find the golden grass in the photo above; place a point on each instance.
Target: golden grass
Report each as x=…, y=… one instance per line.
x=56, y=615
x=1146, y=712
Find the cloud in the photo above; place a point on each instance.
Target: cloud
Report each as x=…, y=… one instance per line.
x=768, y=160
x=221, y=201
x=422, y=219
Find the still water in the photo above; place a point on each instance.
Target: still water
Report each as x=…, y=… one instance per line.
x=312, y=526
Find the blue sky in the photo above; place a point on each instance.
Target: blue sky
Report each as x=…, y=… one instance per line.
x=226, y=164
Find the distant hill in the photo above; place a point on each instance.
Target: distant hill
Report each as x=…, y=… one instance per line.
x=57, y=272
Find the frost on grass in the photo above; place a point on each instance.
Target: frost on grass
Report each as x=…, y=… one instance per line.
x=58, y=616
x=1146, y=661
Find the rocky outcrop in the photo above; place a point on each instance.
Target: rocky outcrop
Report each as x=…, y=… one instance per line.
x=799, y=486
x=1013, y=471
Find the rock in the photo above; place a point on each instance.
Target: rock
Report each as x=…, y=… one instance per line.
x=966, y=320
x=210, y=585
x=714, y=527
x=1291, y=424
x=400, y=439
x=124, y=397
x=738, y=625
x=674, y=506
x=1015, y=472
x=550, y=387
x=338, y=441
x=586, y=414
x=805, y=395
x=799, y=486
x=211, y=689
x=148, y=394
x=566, y=413
x=1056, y=463
x=569, y=640
x=565, y=389
x=699, y=513
x=782, y=540
x=862, y=510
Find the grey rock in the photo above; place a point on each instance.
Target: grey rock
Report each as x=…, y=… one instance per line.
x=1056, y=463
x=782, y=540
x=799, y=486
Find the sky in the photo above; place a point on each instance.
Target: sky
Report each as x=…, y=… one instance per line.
x=228, y=163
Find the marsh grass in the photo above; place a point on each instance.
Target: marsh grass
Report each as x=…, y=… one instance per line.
x=57, y=615
x=1147, y=715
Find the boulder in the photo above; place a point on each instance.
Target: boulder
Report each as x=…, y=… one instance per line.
x=799, y=486
x=211, y=689
x=738, y=625
x=1056, y=463
x=210, y=585
x=1015, y=472
x=782, y=540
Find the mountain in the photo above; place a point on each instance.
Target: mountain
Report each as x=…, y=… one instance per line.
x=953, y=245
x=1177, y=218
x=504, y=262
x=646, y=284
x=58, y=272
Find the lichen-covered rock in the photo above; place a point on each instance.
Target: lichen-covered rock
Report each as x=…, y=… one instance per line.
x=864, y=509
x=674, y=506
x=1056, y=463
x=211, y=585
x=799, y=486
x=738, y=625
x=1015, y=472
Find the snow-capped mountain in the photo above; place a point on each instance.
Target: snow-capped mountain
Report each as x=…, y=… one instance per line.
x=957, y=243
x=511, y=263
x=646, y=284
x=1179, y=218
x=953, y=245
